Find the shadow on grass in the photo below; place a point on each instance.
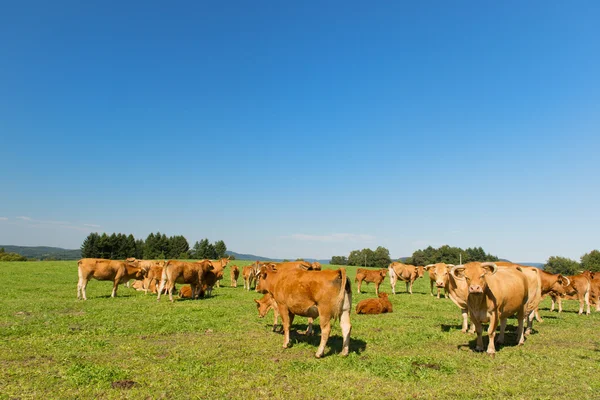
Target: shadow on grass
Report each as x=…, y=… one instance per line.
x=510, y=339
x=334, y=343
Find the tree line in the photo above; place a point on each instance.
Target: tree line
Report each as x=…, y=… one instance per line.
x=380, y=257
x=119, y=246
x=4, y=256
x=566, y=266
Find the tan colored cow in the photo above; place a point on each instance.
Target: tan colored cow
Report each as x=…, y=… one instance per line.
x=234, y=274
x=438, y=275
x=494, y=295
x=250, y=275
x=266, y=303
x=404, y=272
x=323, y=294
x=154, y=276
x=458, y=291
x=552, y=283
x=105, y=270
x=380, y=305
x=578, y=289
x=193, y=273
x=595, y=290
x=219, y=266
x=369, y=275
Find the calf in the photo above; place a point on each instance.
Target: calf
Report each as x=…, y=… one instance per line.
x=264, y=304
x=250, y=275
x=380, y=305
x=234, y=274
x=368, y=276
x=185, y=292
x=438, y=275
x=219, y=267
x=105, y=270
x=494, y=295
x=193, y=273
x=154, y=276
x=323, y=294
x=404, y=272
x=577, y=289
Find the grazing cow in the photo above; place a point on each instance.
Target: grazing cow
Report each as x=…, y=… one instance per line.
x=193, y=273
x=494, y=295
x=106, y=270
x=438, y=275
x=534, y=290
x=368, y=276
x=458, y=291
x=380, y=305
x=323, y=294
x=264, y=304
x=234, y=274
x=578, y=289
x=404, y=272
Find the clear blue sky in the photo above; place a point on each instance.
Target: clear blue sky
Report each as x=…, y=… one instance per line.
x=306, y=129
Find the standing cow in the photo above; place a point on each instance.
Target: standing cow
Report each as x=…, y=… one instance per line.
x=367, y=275
x=407, y=273
x=193, y=273
x=438, y=275
x=106, y=270
x=234, y=274
x=494, y=295
x=323, y=294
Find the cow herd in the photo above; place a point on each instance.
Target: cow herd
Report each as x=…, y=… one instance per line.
x=486, y=292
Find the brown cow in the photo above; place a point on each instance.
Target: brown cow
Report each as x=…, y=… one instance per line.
x=185, y=292
x=323, y=294
x=219, y=265
x=368, y=276
x=458, y=291
x=250, y=275
x=106, y=270
x=438, y=275
x=494, y=295
x=578, y=289
x=380, y=305
x=154, y=276
x=210, y=279
x=234, y=275
x=534, y=290
x=193, y=273
x=404, y=272
x=595, y=290
x=552, y=283
x=264, y=304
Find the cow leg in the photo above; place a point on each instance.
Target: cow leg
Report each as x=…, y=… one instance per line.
x=286, y=322
x=438, y=294
x=358, y=286
x=537, y=315
x=521, y=318
x=406, y=282
x=83, y=286
x=552, y=306
x=275, y=318
x=431, y=287
x=586, y=297
x=170, y=287
x=393, y=278
x=325, y=330
x=115, y=286
x=465, y=323
x=377, y=289
x=529, y=319
x=502, y=329
x=411, y=283
x=309, y=328
x=345, y=324
x=160, y=288
x=492, y=333
x=479, y=329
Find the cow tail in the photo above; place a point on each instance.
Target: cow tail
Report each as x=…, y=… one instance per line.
x=339, y=301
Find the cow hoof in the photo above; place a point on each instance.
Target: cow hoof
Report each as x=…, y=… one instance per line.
x=479, y=349
x=463, y=331
x=492, y=354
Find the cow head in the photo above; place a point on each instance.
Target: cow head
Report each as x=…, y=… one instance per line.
x=383, y=296
x=420, y=271
x=316, y=266
x=475, y=274
x=141, y=273
x=440, y=272
x=383, y=272
x=263, y=305
x=263, y=276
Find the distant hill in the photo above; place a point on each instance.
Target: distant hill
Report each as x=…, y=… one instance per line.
x=44, y=252
x=240, y=256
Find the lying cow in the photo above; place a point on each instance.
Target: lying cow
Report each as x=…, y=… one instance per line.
x=368, y=275
x=193, y=273
x=323, y=294
x=106, y=270
x=185, y=292
x=380, y=305
x=234, y=274
x=494, y=295
x=404, y=272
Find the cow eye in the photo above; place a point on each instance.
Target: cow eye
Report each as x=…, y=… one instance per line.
x=467, y=278
x=482, y=275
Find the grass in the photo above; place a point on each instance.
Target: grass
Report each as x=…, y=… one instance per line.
x=54, y=346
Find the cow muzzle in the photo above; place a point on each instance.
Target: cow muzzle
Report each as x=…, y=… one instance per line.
x=439, y=284
x=475, y=289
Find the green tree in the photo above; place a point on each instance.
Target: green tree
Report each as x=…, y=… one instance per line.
x=89, y=247
x=562, y=265
x=104, y=246
x=339, y=260
x=220, y=249
x=139, y=249
x=150, y=249
x=381, y=257
x=355, y=258
x=591, y=261
x=178, y=247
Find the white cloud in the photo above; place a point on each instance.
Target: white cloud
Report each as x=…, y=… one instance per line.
x=3, y=219
x=24, y=218
x=334, y=237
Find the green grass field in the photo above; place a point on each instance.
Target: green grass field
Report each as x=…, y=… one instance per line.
x=54, y=346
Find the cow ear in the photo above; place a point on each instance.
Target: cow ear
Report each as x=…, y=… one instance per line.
x=256, y=301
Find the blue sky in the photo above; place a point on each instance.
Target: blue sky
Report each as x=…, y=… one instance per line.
x=303, y=130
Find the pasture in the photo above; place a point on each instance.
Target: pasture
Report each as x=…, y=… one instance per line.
x=54, y=346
